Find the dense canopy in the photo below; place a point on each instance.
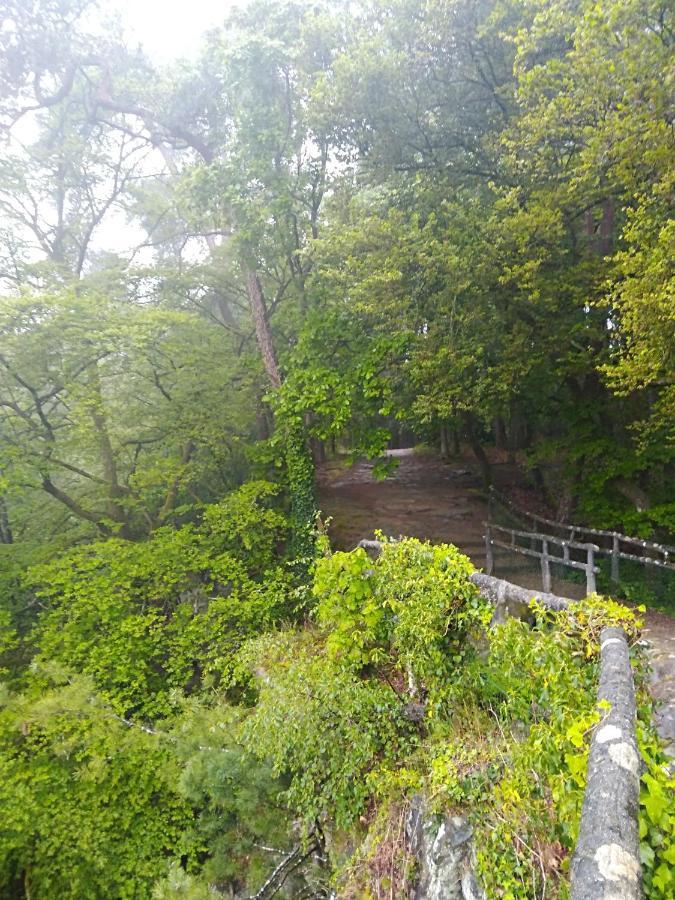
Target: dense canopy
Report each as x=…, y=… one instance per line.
x=336, y=222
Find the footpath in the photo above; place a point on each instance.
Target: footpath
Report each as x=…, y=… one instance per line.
x=443, y=502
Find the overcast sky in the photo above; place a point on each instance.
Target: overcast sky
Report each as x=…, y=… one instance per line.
x=170, y=28
x=167, y=30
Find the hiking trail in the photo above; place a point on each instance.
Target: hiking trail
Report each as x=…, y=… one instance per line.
x=444, y=502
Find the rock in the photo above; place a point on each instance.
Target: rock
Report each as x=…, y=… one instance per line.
x=510, y=600
x=442, y=846
x=414, y=711
x=372, y=548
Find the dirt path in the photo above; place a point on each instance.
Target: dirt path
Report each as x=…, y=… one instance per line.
x=423, y=498
x=659, y=632
x=444, y=502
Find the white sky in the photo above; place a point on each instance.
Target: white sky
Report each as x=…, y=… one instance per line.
x=169, y=29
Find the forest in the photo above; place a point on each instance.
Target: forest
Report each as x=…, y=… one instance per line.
x=337, y=223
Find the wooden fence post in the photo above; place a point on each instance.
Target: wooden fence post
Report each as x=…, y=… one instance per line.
x=489, y=556
x=545, y=567
x=590, y=570
x=615, y=558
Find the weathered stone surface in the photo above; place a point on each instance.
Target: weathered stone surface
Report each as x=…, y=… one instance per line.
x=513, y=600
x=372, y=548
x=443, y=849
x=659, y=639
x=606, y=862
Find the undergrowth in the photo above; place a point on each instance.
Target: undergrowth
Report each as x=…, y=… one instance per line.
x=397, y=694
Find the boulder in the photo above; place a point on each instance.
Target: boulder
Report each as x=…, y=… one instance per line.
x=443, y=849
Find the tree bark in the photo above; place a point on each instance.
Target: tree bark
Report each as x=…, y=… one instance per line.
x=445, y=450
x=6, y=536
x=299, y=462
x=262, y=330
x=634, y=493
x=116, y=492
x=77, y=510
x=477, y=447
x=318, y=450
x=499, y=429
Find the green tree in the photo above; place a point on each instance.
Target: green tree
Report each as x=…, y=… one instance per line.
x=90, y=805
x=113, y=409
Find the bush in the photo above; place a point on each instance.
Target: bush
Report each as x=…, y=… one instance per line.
x=413, y=607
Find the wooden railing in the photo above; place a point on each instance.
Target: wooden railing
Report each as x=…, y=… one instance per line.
x=492, y=539
x=493, y=534
x=615, y=543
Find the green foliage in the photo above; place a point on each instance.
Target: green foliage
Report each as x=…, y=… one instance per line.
x=179, y=884
x=300, y=474
x=9, y=640
x=459, y=216
x=238, y=811
x=524, y=781
x=337, y=380
x=166, y=615
x=244, y=524
x=529, y=705
x=657, y=809
x=643, y=298
x=414, y=606
x=89, y=804
x=348, y=609
x=94, y=417
x=543, y=691
x=323, y=727
x=528, y=702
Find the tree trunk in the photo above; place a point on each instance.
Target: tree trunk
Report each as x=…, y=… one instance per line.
x=116, y=492
x=445, y=450
x=298, y=457
x=477, y=448
x=634, y=493
x=79, y=511
x=6, y=536
x=318, y=450
x=499, y=429
x=262, y=330
x=263, y=425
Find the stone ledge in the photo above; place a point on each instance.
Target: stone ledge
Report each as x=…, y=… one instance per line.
x=606, y=861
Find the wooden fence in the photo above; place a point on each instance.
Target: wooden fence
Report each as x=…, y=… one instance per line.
x=609, y=543
x=493, y=538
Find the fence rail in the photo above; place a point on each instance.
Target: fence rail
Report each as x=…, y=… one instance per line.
x=492, y=539
x=663, y=554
